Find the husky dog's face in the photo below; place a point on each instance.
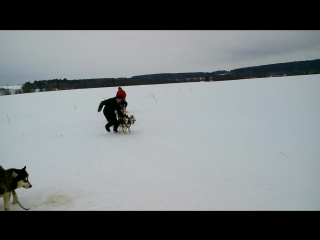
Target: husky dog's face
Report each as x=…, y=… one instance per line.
x=21, y=177
x=132, y=118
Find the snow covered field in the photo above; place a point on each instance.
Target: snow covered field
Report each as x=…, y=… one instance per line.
x=234, y=145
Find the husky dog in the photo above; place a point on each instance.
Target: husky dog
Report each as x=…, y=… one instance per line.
x=10, y=180
x=126, y=122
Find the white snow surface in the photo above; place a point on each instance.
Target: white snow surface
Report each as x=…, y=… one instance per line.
x=208, y=146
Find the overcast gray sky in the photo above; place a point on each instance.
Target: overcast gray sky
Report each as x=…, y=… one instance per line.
x=29, y=55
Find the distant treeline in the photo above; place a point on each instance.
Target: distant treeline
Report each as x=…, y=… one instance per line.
x=271, y=70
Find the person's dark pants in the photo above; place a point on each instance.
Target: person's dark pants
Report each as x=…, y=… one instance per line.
x=112, y=120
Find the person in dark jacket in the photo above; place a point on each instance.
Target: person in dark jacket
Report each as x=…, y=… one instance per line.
x=110, y=105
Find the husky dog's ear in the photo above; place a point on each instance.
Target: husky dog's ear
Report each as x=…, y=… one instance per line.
x=24, y=168
x=14, y=174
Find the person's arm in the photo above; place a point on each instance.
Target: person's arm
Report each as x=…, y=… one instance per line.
x=118, y=108
x=101, y=105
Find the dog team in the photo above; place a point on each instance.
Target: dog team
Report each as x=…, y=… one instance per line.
x=115, y=111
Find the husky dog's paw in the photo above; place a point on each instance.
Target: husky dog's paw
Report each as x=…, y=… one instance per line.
x=15, y=199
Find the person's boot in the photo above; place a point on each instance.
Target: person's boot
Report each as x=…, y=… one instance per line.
x=107, y=127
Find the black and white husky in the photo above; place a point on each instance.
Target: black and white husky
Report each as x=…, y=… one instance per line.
x=126, y=122
x=10, y=180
